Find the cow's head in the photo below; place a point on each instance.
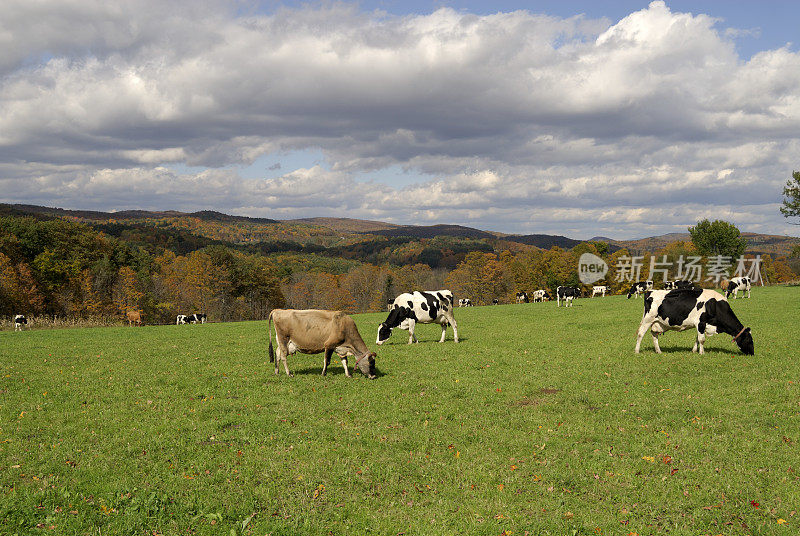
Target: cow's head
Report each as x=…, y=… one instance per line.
x=384, y=332
x=367, y=365
x=745, y=342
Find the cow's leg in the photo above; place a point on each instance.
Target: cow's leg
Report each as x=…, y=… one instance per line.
x=283, y=353
x=701, y=338
x=444, y=331
x=655, y=331
x=326, y=360
x=344, y=364
x=451, y=319
x=411, y=337
x=643, y=327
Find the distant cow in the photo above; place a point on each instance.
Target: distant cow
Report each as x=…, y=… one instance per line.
x=495, y=301
x=134, y=317
x=181, y=319
x=522, y=297
x=599, y=289
x=540, y=296
x=679, y=283
x=314, y=331
x=390, y=305
x=427, y=307
x=735, y=285
x=19, y=322
x=465, y=302
x=567, y=294
x=196, y=317
x=637, y=288
x=706, y=310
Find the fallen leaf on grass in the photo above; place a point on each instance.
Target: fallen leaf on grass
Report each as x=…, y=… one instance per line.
x=650, y=459
x=781, y=521
x=754, y=504
x=568, y=515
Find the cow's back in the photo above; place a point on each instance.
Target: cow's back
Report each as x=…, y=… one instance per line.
x=309, y=329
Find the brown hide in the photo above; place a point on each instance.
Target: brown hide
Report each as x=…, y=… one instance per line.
x=314, y=330
x=134, y=317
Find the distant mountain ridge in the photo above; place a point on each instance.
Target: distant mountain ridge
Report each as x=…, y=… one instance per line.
x=19, y=209
x=757, y=243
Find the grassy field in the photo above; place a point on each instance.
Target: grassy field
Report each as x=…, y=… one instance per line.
x=541, y=421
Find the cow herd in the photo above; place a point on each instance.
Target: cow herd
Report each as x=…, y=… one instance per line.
x=679, y=306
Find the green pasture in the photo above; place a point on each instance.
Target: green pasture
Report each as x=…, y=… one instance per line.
x=541, y=421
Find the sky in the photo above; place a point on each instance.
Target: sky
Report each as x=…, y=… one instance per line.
x=622, y=119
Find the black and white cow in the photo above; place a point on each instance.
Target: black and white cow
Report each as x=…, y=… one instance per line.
x=567, y=294
x=522, y=297
x=679, y=283
x=706, y=310
x=599, y=289
x=735, y=285
x=427, y=307
x=541, y=295
x=196, y=317
x=19, y=322
x=637, y=288
x=465, y=302
x=389, y=304
x=181, y=319
x=495, y=301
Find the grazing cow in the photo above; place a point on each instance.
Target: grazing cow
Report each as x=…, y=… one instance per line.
x=181, y=319
x=599, y=289
x=706, y=310
x=134, y=317
x=679, y=283
x=540, y=296
x=196, y=317
x=495, y=301
x=314, y=331
x=637, y=288
x=522, y=297
x=19, y=322
x=465, y=302
x=735, y=285
x=427, y=307
x=567, y=294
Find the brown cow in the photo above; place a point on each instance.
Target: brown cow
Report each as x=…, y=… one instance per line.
x=314, y=331
x=134, y=317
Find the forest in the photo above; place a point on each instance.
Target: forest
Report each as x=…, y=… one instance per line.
x=54, y=266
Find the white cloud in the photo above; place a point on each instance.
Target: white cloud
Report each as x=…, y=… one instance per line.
x=523, y=122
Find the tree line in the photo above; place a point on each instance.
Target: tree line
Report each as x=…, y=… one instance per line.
x=64, y=268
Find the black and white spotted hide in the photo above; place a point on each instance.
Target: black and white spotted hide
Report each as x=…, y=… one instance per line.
x=427, y=307
x=19, y=322
x=707, y=311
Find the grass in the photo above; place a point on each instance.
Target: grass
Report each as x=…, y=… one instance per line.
x=541, y=421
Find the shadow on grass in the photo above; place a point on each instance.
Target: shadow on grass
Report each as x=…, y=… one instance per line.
x=419, y=341
x=332, y=371
x=688, y=350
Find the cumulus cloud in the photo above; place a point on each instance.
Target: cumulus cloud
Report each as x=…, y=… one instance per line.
x=521, y=122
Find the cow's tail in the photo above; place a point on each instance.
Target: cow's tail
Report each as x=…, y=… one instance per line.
x=269, y=337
